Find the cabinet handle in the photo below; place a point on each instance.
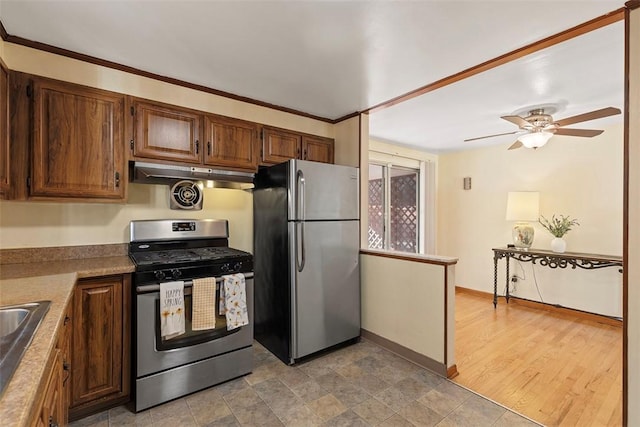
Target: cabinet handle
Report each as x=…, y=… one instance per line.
x=304, y=157
x=208, y=148
x=66, y=368
x=67, y=319
x=197, y=146
x=117, y=179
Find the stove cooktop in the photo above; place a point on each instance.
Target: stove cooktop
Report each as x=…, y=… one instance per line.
x=186, y=264
x=164, y=259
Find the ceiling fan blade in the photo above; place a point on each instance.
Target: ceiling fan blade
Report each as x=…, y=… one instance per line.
x=517, y=120
x=588, y=133
x=491, y=136
x=597, y=114
x=515, y=145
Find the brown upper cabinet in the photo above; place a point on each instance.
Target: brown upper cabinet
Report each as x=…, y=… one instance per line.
x=317, y=149
x=78, y=138
x=280, y=145
x=65, y=141
x=167, y=132
x=230, y=143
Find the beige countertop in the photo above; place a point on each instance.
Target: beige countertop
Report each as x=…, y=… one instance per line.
x=428, y=259
x=36, y=281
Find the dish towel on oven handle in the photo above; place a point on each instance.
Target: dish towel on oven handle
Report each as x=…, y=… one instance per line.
x=171, y=309
x=203, y=304
x=233, y=301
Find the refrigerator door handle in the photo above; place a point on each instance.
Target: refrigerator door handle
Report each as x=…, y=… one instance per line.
x=300, y=214
x=300, y=208
x=304, y=258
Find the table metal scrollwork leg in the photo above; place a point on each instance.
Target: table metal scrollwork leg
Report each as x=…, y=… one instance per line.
x=495, y=280
x=507, y=288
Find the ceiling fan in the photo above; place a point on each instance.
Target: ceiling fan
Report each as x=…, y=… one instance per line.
x=538, y=127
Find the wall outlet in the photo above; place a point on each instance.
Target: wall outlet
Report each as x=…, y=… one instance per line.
x=514, y=280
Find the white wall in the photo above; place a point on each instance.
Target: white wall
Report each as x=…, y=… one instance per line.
x=347, y=146
x=577, y=177
x=404, y=302
x=20, y=58
x=364, y=183
x=45, y=224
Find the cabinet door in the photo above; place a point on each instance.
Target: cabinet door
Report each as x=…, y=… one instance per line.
x=230, y=143
x=50, y=413
x=64, y=344
x=279, y=145
x=97, y=346
x=4, y=129
x=167, y=132
x=78, y=141
x=317, y=149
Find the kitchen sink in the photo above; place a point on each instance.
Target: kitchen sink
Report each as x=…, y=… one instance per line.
x=11, y=319
x=18, y=325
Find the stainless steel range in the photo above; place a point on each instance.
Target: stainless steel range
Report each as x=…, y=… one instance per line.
x=183, y=250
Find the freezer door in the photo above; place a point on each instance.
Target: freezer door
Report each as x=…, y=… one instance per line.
x=325, y=285
x=320, y=191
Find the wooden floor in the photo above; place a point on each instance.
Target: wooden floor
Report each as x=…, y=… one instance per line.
x=555, y=368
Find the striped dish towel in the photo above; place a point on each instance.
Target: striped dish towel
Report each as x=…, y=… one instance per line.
x=203, y=304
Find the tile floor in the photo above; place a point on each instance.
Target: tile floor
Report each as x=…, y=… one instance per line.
x=359, y=385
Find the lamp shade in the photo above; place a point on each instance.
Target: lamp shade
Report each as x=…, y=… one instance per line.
x=523, y=206
x=535, y=139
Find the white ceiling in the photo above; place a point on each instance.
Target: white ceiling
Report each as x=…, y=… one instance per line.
x=333, y=58
x=580, y=75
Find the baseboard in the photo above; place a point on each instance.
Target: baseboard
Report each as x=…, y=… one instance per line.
x=452, y=372
x=411, y=355
x=469, y=291
x=600, y=318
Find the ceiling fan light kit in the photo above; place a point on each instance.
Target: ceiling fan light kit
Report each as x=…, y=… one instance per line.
x=535, y=139
x=538, y=126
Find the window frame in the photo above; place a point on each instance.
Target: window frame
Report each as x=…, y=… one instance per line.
x=385, y=153
x=386, y=199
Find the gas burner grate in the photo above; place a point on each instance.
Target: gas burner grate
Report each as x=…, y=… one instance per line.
x=181, y=256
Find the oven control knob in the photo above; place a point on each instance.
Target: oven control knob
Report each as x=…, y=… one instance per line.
x=225, y=267
x=159, y=275
x=237, y=266
x=176, y=273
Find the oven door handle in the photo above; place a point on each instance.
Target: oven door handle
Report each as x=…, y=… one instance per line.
x=187, y=284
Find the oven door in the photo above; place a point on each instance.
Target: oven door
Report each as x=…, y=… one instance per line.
x=153, y=354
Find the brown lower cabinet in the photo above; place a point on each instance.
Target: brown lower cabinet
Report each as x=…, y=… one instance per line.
x=53, y=407
x=100, y=355
x=51, y=410
x=64, y=345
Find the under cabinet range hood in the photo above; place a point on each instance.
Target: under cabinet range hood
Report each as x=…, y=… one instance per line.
x=156, y=173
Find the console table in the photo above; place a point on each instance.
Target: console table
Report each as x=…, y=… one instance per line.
x=549, y=259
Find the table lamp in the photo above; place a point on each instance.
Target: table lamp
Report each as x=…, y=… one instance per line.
x=523, y=206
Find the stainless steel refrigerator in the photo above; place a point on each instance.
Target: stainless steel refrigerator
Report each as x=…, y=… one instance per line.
x=306, y=270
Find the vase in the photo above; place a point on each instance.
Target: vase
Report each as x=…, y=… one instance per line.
x=558, y=245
